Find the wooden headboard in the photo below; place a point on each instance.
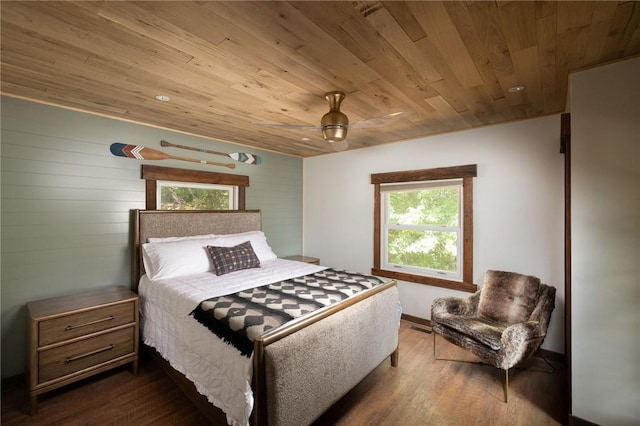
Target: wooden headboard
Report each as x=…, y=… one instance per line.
x=180, y=223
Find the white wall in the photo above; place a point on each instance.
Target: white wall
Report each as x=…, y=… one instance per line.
x=605, y=314
x=518, y=205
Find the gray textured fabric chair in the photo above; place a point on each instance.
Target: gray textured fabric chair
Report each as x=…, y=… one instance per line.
x=503, y=323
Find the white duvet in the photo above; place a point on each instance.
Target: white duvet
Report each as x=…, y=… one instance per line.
x=217, y=369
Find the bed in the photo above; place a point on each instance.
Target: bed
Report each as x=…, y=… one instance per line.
x=296, y=371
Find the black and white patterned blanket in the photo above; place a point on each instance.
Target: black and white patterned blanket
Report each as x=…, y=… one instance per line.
x=241, y=317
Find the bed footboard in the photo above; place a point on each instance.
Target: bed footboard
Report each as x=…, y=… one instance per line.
x=308, y=371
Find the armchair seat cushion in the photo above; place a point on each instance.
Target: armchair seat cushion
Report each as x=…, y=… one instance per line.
x=484, y=330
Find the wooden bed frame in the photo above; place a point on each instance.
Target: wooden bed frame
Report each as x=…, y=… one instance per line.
x=271, y=383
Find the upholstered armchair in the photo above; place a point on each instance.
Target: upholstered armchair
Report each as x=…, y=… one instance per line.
x=503, y=323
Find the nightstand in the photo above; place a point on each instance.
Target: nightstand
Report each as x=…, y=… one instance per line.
x=307, y=259
x=74, y=337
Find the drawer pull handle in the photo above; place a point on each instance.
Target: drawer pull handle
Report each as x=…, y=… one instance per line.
x=97, y=351
x=73, y=327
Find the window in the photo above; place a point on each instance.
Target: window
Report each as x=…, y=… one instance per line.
x=423, y=228
x=195, y=196
x=422, y=233
x=195, y=189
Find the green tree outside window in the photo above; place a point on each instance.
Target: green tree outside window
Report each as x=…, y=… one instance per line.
x=193, y=198
x=423, y=228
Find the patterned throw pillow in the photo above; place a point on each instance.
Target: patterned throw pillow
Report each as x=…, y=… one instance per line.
x=230, y=259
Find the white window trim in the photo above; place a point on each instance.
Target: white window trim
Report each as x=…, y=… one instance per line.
x=385, y=226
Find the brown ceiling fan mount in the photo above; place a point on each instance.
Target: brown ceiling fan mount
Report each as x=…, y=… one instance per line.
x=334, y=125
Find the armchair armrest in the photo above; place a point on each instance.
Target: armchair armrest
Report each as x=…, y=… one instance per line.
x=521, y=332
x=455, y=306
x=536, y=327
x=545, y=306
x=519, y=341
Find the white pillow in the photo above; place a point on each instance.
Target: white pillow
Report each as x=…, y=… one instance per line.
x=169, y=239
x=176, y=258
x=258, y=242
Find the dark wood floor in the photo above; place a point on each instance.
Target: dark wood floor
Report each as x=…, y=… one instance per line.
x=420, y=391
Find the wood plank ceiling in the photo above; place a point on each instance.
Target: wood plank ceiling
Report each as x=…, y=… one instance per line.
x=227, y=65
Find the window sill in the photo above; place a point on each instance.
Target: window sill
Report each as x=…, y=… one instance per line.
x=419, y=279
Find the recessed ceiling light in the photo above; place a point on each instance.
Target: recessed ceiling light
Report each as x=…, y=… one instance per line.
x=163, y=98
x=516, y=89
x=305, y=139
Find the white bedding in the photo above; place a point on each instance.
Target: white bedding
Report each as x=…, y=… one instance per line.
x=217, y=369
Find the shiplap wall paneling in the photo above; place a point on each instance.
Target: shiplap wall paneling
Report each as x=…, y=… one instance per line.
x=66, y=203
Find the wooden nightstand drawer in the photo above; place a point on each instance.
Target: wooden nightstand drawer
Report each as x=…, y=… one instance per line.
x=68, y=359
x=76, y=336
x=82, y=323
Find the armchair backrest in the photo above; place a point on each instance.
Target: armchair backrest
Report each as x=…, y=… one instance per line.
x=508, y=297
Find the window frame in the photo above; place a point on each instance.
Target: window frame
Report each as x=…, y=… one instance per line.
x=231, y=189
x=153, y=174
x=386, y=190
x=466, y=173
